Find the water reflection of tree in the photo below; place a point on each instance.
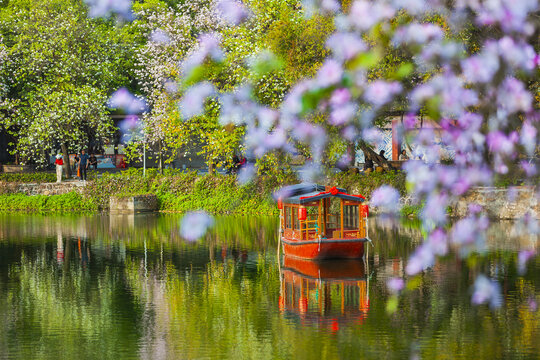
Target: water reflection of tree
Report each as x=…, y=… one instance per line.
x=146, y=294
x=51, y=308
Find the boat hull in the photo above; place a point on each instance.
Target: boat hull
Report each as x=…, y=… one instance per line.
x=324, y=249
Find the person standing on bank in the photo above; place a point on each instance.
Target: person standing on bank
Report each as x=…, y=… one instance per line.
x=83, y=164
x=59, y=165
x=93, y=161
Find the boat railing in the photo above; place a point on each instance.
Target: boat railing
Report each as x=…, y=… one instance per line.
x=305, y=227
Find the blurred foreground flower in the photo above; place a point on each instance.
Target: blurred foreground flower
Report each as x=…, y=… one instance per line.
x=123, y=99
x=232, y=11
x=487, y=291
x=523, y=257
x=386, y=198
x=246, y=174
x=192, y=103
x=194, y=225
x=105, y=8
x=395, y=285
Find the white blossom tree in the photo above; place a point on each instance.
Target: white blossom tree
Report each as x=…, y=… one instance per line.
x=61, y=67
x=171, y=34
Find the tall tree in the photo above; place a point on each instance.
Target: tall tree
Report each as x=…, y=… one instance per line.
x=62, y=65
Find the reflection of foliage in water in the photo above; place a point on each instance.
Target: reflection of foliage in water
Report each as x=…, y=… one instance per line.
x=145, y=292
x=57, y=311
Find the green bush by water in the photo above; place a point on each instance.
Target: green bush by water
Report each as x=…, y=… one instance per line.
x=367, y=183
x=72, y=201
x=179, y=191
x=33, y=177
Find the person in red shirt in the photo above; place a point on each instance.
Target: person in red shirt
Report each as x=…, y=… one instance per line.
x=59, y=165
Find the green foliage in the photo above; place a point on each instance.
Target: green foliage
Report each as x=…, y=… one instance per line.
x=61, y=66
x=72, y=201
x=276, y=167
x=367, y=183
x=181, y=191
x=186, y=191
x=34, y=177
x=411, y=210
x=300, y=42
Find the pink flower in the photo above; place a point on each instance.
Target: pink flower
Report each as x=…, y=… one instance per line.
x=438, y=242
x=385, y=197
x=160, y=37
x=528, y=167
x=528, y=137
x=104, y=8
x=475, y=208
x=123, y=99
x=487, y=291
x=518, y=55
x=234, y=12
x=349, y=133
x=340, y=97
x=513, y=96
x=421, y=259
x=246, y=174
x=194, y=225
x=329, y=74
x=380, y=92
x=435, y=209
x=365, y=14
x=498, y=142
x=409, y=121
x=533, y=305
x=480, y=68
x=524, y=257
x=395, y=285
x=208, y=48
x=192, y=103
x=373, y=136
x=343, y=114
x=412, y=6
x=418, y=33
x=345, y=46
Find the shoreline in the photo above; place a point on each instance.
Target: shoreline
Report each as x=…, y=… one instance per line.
x=221, y=194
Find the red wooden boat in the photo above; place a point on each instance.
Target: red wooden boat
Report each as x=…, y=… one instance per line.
x=318, y=222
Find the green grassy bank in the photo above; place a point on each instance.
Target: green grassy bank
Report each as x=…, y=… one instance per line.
x=185, y=191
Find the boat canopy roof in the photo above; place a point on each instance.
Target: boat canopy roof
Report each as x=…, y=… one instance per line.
x=306, y=193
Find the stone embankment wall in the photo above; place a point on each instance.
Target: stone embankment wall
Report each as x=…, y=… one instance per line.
x=133, y=204
x=41, y=188
x=499, y=203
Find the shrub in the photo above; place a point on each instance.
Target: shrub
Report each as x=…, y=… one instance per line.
x=72, y=201
x=33, y=177
x=366, y=183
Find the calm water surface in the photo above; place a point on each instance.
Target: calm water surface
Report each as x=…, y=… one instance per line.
x=128, y=287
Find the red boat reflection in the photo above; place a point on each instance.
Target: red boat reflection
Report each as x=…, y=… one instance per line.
x=326, y=293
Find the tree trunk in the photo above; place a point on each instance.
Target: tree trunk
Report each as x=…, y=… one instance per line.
x=379, y=160
x=160, y=159
x=67, y=166
x=351, y=152
x=211, y=167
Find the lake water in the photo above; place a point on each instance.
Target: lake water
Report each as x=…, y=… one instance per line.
x=128, y=287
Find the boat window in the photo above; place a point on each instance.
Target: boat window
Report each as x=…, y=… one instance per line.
x=333, y=215
x=350, y=217
x=295, y=219
x=288, y=218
